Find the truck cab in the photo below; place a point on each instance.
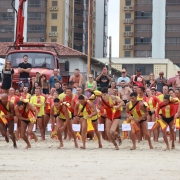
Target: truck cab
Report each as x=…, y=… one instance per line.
x=42, y=61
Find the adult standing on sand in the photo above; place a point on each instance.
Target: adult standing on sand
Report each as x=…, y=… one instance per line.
x=77, y=78
x=21, y=110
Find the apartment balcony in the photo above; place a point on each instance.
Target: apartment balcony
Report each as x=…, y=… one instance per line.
x=175, y=46
x=143, y=7
x=142, y=21
x=143, y=33
x=37, y=9
x=142, y=46
x=172, y=33
x=36, y=21
x=36, y=33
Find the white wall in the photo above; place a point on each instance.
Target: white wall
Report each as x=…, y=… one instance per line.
x=158, y=28
x=82, y=66
x=99, y=45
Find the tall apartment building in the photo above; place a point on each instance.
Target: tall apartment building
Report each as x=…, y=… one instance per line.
x=150, y=28
x=6, y=21
x=62, y=21
x=101, y=30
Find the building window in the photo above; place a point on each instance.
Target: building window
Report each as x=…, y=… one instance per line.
x=143, y=15
x=6, y=28
x=78, y=12
x=6, y=39
x=78, y=1
x=171, y=53
x=172, y=2
x=78, y=47
x=143, y=2
x=128, y=2
x=53, y=40
x=127, y=41
x=35, y=39
x=146, y=69
x=127, y=54
x=173, y=27
x=37, y=3
x=173, y=15
x=53, y=28
x=143, y=27
x=36, y=16
x=78, y=36
x=142, y=53
x=6, y=15
x=127, y=28
x=54, y=16
x=36, y=29
x=173, y=40
x=78, y=24
x=128, y=16
x=142, y=41
x=54, y=3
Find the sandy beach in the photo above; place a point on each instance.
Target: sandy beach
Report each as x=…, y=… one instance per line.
x=45, y=161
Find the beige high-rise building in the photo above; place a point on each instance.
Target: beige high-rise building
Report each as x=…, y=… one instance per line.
x=59, y=21
x=126, y=31
x=150, y=28
x=62, y=21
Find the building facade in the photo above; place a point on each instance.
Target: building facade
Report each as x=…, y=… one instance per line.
x=147, y=66
x=101, y=30
x=62, y=21
x=150, y=28
x=6, y=21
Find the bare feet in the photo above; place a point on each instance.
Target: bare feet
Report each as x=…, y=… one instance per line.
x=100, y=145
x=133, y=148
x=173, y=146
x=6, y=138
x=65, y=137
x=76, y=145
x=35, y=138
x=83, y=147
x=116, y=148
x=151, y=147
x=167, y=149
x=15, y=146
x=120, y=141
x=28, y=146
x=60, y=146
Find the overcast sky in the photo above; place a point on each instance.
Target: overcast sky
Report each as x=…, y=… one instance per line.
x=113, y=26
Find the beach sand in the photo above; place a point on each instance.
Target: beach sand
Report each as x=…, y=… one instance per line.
x=45, y=161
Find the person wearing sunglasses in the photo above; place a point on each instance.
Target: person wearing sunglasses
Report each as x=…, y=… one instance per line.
x=123, y=78
x=91, y=85
x=7, y=75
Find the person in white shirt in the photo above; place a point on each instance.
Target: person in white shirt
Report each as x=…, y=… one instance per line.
x=123, y=78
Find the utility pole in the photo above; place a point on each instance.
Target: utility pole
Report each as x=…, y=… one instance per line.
x=89, y=35
x=110, y=62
